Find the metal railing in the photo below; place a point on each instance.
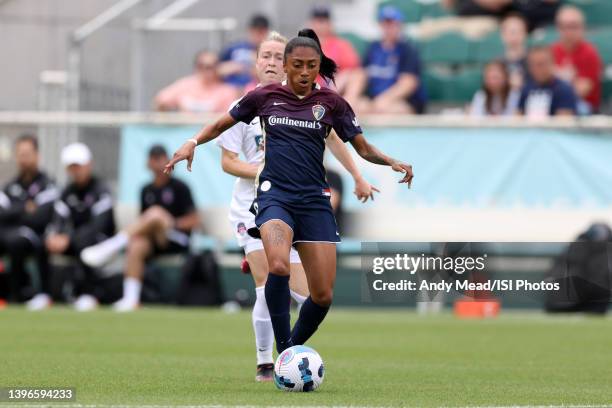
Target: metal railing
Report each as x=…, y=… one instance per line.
x=115, y=119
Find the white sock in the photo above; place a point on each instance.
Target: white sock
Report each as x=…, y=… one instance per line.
x=131, y=289
x=298, y=298
x=262, y=325
x=117, y=242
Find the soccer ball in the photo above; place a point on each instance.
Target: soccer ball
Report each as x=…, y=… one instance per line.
x=298, y=368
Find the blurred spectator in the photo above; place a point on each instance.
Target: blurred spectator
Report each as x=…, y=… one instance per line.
x=496, y=96
x=83, y=217
x=544, y=94
x=495, y=8
x=202, y=91
x=391, y=77
x=26, y=207
x=578, y=61
x=168, y=215
x=513, y=31
x=537, y=12
x=336, y=48
x=238, y=59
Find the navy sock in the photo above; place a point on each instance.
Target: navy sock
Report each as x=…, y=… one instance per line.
x=311, y=315
x=278, y=300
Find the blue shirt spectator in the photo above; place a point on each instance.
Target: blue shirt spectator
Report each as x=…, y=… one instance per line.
x=385, y=65
x=546, y=95
x=548, y=99
x=238, y=59
x=390, y=81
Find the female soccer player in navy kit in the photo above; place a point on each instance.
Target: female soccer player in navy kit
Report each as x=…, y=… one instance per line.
x=292, y=205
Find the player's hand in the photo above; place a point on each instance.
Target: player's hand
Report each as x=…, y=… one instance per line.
x=185, y=152
x=407, y=170
x=364, y=190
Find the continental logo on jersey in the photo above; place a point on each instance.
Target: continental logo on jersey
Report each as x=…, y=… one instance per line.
x=310, y=124
x=318, y=111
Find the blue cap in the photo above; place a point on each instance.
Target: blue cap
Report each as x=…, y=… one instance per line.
x=390, y=12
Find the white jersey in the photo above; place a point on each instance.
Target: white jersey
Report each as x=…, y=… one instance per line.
x=246, y=139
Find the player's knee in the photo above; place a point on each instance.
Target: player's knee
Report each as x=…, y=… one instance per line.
x=138, y=246
x=323, y=296
x=279, y=267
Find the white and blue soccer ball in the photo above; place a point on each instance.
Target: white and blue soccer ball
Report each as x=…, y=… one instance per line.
x=298, y=368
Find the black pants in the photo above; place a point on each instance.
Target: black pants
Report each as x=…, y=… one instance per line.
x=19, y=243
x=86, y=281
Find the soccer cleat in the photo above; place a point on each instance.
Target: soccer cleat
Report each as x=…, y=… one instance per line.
x=245, y=267
x=85, y=303
x=39, y=302
x=265, y=373
x=98, y=255
x=124, y=305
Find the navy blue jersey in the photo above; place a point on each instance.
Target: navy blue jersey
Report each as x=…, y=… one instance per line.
x=547, y=98
x=384, y=67
x=244, y=53
x=294, y=132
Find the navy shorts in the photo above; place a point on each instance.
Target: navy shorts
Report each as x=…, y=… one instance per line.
x=314, y=222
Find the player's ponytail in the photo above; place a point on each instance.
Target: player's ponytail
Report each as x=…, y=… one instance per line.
x=308, y=38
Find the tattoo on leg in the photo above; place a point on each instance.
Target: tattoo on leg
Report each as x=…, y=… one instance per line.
x=276, y=235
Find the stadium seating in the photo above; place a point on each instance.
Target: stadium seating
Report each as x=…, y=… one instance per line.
x=543, y=36
x=410, y=8
x=602, y=39
x=359, y=43
x=454, y=86
x=433, y=10
x=489, y=48
x=597, y=12
x=448, y=48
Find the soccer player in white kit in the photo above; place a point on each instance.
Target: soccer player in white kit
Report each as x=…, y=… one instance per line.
x=248, y=140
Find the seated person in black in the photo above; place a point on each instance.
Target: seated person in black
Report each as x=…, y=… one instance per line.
x=168, y=215
x=537, y=13
x=83, y=216
x=26, y=208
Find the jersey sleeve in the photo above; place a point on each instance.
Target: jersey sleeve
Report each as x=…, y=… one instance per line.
x=231, y=139
x=345, y=122
x=248, y=107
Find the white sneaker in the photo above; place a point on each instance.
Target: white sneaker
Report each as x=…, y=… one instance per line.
x=39, y=302
x=125, y=305
x=98, y=255
x=85, y=303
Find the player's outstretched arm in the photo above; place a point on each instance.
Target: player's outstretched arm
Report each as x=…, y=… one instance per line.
x=363, y=189
x=370, y=153
x=208, y=133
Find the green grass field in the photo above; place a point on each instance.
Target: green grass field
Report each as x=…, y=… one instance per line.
x=167, y=356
